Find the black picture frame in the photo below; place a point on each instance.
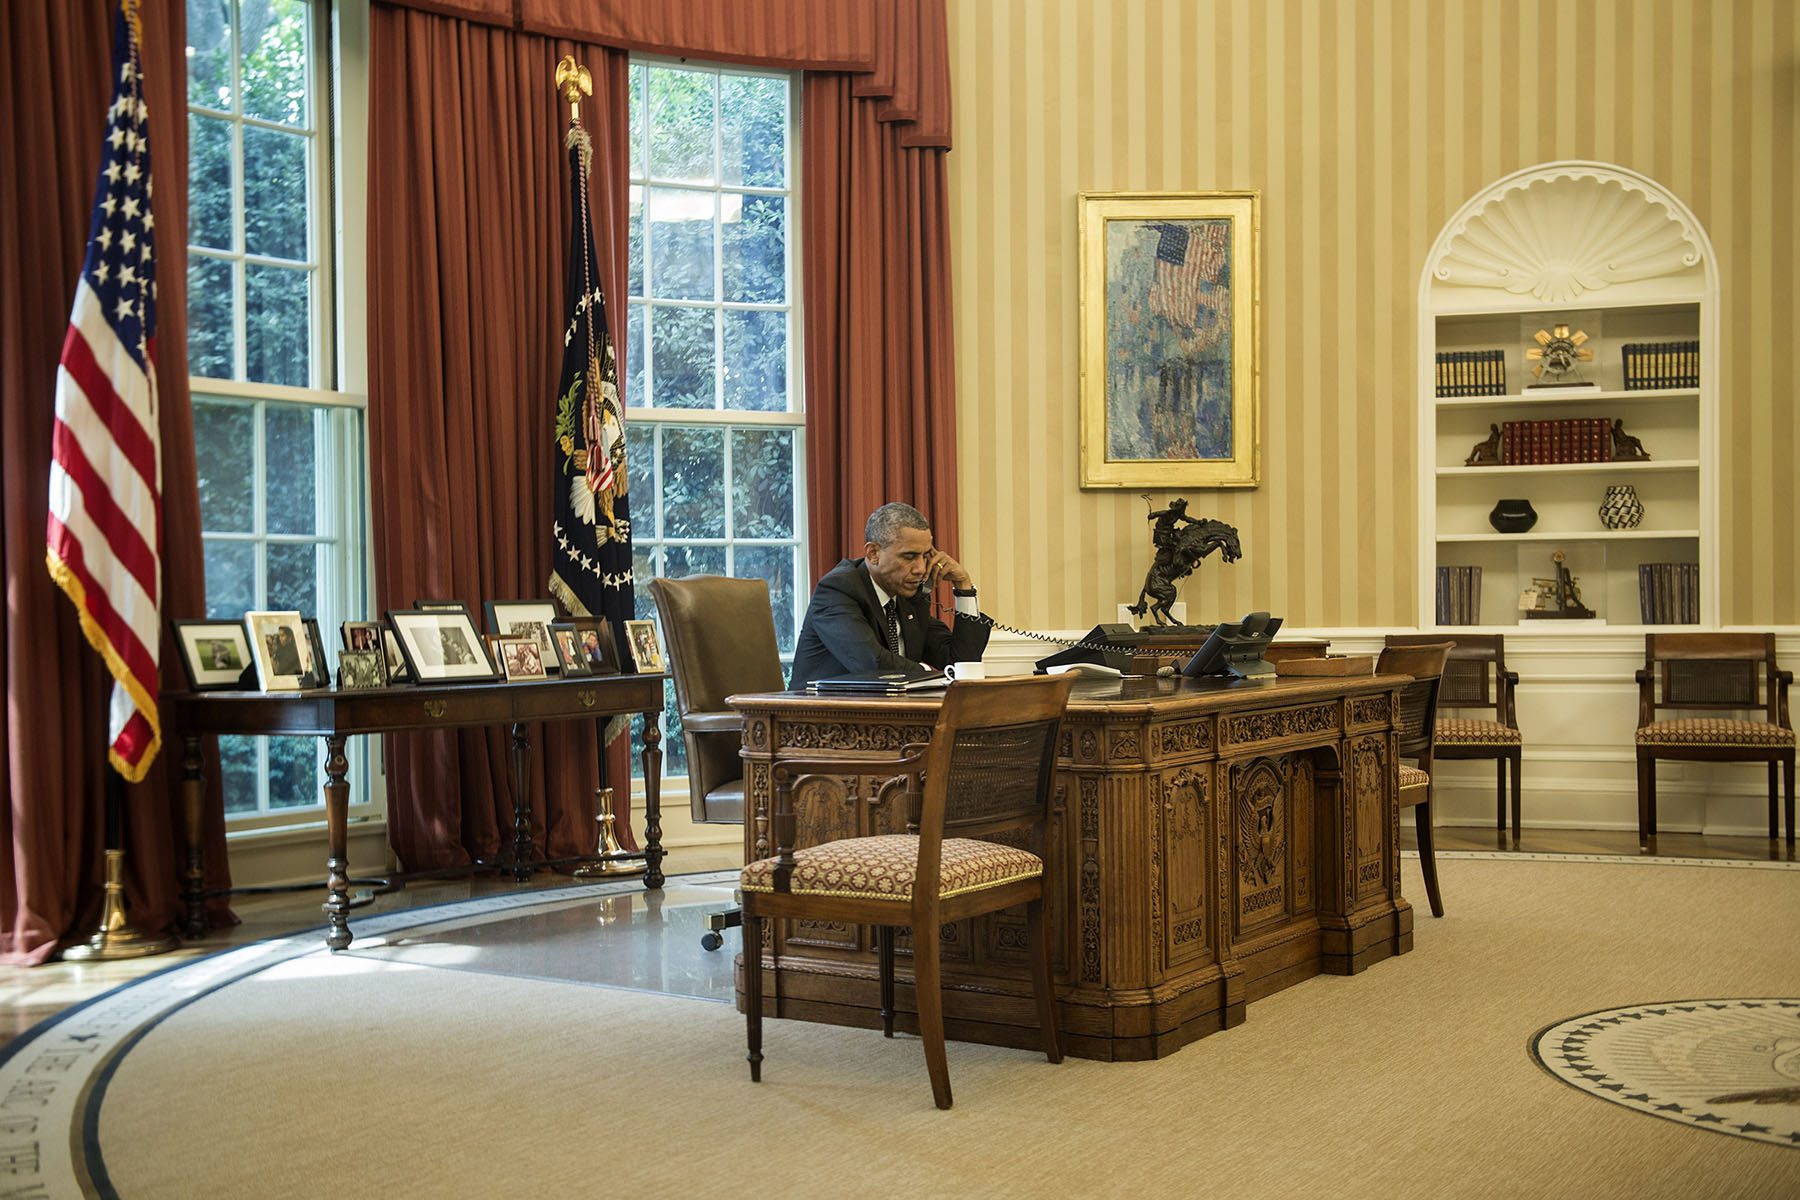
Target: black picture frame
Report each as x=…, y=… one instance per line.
x=598, y=644
x=321, y=672
x=442, y=645
x=568, y=649
x=214, y=654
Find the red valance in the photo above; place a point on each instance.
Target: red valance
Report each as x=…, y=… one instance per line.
x=898, y=48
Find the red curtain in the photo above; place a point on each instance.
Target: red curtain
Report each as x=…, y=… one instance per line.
x=880, y=381
x=55, y=85
x=468, y=229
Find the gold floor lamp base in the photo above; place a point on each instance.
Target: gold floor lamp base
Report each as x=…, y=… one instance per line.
x=116, y=938
x=612, y=864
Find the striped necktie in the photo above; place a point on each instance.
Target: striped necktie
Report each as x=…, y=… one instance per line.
x=893, y=624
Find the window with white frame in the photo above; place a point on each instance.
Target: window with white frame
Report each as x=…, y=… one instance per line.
x=279, y=444
x=711, y=347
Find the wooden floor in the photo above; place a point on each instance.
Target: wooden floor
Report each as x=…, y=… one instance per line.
x=30, y=994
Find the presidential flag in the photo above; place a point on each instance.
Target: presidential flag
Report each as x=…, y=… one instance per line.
x=590, y=564
x=1190, y=261
x=104, y=543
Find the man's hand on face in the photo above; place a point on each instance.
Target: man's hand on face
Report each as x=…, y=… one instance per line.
x=941, y=568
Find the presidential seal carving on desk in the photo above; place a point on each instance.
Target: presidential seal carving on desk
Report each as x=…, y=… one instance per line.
x=1261, y=789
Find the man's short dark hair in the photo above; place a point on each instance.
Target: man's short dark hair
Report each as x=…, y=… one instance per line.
x=886, y=522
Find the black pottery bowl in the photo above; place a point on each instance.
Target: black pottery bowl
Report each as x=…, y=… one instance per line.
x=1513, y=516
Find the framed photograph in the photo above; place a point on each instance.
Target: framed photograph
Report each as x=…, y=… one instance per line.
x=521, y=657
x=361, y=635
x=214, y=653
x=525, y=618
x=595, y=642
x=359, y=669
x=441, y=605
x=441, y=645
x=646, y=650
x=321, y=670
x=281, y=649
x=1169, y=342
x=568, y=649
x=396, y=662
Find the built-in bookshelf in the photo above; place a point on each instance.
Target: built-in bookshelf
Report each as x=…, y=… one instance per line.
x=1642, y=295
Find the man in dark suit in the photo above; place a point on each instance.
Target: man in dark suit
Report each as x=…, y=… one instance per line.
x=873, y=613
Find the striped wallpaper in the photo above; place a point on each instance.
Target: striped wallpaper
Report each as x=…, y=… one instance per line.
x=1364, y=124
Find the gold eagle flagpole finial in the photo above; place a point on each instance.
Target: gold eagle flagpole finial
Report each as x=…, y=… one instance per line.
x=573, y=81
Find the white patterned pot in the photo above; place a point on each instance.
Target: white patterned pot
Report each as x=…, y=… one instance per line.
x=1621, y=509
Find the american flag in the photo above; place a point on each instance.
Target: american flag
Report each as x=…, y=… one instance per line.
x=1188, y=259
x=590, y=558
x=104, y=544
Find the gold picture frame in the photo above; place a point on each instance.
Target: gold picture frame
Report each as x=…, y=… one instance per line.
x=1170, y=343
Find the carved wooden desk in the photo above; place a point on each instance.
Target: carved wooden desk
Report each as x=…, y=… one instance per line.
x=335, y=716
x=1208, y=845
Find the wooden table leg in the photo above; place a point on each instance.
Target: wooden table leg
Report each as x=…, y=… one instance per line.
x=337, y=861
x=193, y=805
x=653, y=849
x=521, y=765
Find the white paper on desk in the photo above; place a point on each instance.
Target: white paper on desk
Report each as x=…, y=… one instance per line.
x=1100, y=669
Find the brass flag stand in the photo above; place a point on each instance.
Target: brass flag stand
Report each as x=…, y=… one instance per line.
x=616, y=862
x=117, y=937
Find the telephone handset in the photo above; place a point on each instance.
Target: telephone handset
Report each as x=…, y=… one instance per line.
x=1113, y=645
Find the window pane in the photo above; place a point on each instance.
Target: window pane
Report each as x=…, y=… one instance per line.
x=294, y=578
x=230, y=579
x=681, y=125
x=675, y=762
x=290, y=469
x=209, y=184
x=643, y=607
x=273, y=40
x=753, y=122
x=762, y=485
x=634, y=358
x=636, y=117
x=681, y=244
x=775, y=566
x=237, y=766
x=294, y=772
x=277, y=324
x=209, y=53
x=681, y=561
x=212, y=341
x=635, y=239
x=640, y=472
x=275, y=216
x=754, y=250
x=681, y=345
x=224, y=453
x=693, y=482
x=756, y=360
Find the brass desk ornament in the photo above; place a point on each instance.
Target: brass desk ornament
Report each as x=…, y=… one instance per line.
x=613, y=862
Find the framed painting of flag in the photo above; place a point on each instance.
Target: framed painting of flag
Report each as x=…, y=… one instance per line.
x=1169, y=347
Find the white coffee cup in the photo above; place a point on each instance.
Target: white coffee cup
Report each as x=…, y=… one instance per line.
x=966, y=670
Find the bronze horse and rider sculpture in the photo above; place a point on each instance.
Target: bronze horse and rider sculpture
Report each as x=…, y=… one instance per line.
x=1181, y=542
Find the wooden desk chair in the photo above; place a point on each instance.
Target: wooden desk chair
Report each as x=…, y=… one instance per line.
x=987, y=773
x=1416, y=735
x=1476, y=678
x=1730, y=671
x=721, y=637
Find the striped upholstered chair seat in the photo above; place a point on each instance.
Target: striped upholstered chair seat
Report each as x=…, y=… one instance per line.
x=884, y=867
x=1412, y=777
x=1713, y=731
x=1467, y=731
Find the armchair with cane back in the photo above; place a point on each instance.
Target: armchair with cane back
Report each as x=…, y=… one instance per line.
x=1727, y=671
x=1476, y=678
x=979, y=795
x=721, y=640
x=1416, y=735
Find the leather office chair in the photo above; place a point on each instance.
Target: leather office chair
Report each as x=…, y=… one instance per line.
x=721, y=640
x=1730, y=671
x=1417, y=734
x=1476, y=678
x=986, y=773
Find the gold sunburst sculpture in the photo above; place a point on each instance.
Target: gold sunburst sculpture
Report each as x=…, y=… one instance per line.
x=1556, y=353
